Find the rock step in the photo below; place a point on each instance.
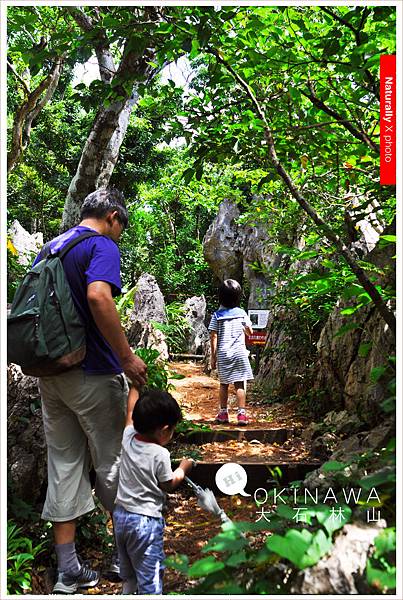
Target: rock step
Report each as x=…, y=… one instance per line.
x=259, y=475
x=269, y=436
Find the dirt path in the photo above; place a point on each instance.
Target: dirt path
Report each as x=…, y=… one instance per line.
x=197, y=394
x=188, y=528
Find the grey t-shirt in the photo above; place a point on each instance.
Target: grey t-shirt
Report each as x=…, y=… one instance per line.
x=142, y=466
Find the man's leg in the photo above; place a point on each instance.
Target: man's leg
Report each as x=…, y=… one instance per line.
x=69, y=491
x=64, y=537
x=102, y=418
x=64, y=533
x=102, y=415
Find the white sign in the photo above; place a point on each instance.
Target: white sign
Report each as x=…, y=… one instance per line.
x=258, y=318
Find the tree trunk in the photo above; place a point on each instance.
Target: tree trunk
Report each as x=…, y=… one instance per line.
x=101, y=150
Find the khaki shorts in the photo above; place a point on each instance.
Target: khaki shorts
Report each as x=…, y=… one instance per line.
x=83, y=417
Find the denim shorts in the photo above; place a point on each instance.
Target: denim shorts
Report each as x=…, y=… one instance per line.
x=140, y=541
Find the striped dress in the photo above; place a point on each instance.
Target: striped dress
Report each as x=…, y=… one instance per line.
x=232, y=356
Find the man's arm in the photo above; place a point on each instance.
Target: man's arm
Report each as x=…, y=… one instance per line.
x=106, y=317
x=213, y=346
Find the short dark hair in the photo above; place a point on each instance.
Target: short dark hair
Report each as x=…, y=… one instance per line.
x=103, y=201
x=229, y=293
x=154, y=409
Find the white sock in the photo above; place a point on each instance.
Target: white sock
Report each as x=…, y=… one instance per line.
x=241, y=411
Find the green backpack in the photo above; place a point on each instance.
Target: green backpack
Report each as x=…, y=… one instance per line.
x=45, y=335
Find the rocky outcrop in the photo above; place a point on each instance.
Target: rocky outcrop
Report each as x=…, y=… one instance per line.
x=197, y=336
x=148, y=307
x=27, y=245
x=221, y=244
x=343, y=570
x=25, y=437
x=241, y=252
x=149, y=303
x=331, y=371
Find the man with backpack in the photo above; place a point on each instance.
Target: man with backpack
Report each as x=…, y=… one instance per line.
x=84, y=407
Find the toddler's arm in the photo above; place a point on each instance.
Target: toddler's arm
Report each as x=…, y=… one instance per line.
x=131, y=401
x=185, y=466
x=213, y=346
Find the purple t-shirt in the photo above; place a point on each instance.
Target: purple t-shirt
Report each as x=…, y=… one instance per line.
x=93, y=259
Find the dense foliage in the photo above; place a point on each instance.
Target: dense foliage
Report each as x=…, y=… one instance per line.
x=280, y=113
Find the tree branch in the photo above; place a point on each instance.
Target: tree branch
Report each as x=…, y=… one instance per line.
x=106, y=64
x=30, y=109
x=11, y=68
x=356, y=32
x=360, y=135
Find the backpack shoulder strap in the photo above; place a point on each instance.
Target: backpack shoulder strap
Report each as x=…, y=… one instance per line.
x=83, y=236
x=46, y=251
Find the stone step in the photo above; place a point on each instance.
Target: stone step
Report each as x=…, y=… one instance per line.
x=268, y=436
x=259, y=475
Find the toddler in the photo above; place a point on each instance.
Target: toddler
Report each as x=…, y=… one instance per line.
x=145, y=475
x=228, y=351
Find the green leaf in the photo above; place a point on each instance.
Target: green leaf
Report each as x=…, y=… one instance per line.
x=346, y=328
x=364, y=349
x=350, y=310
x=381, y=579
x=236, y=559
x=227, y=541
x=329, y=520
x=302, y=548
x=377, y=479
x=205, y=566
x=377, y=373
x=333, y=465
x=306, y=254
x=351, y=291
x=179, y=562
x=385, y=541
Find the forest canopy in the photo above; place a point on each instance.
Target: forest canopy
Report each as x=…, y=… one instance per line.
x=300, y=81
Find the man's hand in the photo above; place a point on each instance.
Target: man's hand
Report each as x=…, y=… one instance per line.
x=106, y=317
x=135, y=369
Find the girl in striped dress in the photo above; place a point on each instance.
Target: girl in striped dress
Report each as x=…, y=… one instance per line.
x=227, y=328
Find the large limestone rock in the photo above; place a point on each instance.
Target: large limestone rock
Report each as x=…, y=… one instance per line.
x=341, y=571
x=221, y=244
x=149, y=303
x=240, y=251
x=195, y=314
x=27, y=245
x=149, y=306
x=25, y=437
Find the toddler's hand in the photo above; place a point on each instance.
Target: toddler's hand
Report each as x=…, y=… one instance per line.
x=187, y=464
x=213, y=362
